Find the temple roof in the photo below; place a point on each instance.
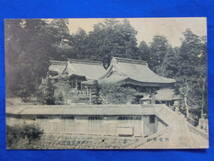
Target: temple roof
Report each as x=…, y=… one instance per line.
x=123, y=69
x=120, y=69
x=89, y=69
x=57, y=66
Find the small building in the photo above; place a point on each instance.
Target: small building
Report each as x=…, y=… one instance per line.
x=67, y=78
x=109, y=120
x=167, y=96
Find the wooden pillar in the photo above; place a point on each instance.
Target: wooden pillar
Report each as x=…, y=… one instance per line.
x=90, y=96
x=86, y=90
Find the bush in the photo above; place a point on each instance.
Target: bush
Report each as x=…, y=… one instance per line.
x=59, y=99
x=117, y=94
x=96, y=94
x=45, y=94
x=17, y=134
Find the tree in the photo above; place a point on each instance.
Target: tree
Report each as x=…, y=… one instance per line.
x=48, y=93
x=58, y=28
x=112, y=38
x=192, y=69
x=96, y=99
x=169, y=66
x=79, y=45
x=26, y=61
x=116, y=94
x=158, y=49
x=30, y=44
x=144, y=51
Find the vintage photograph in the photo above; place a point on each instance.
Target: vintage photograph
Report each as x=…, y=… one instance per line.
x=106, y=83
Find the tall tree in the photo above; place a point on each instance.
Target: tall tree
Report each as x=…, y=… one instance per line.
x=30, y=43
x=158, y=49
x=192, y=69
x=79, y=45
x=59, y=30
x=144, y=51
x=113, y=38
x=13, y=30
x=169, y=66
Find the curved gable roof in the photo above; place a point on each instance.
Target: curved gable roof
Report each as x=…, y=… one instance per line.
x=122, y=68
x=89, y=69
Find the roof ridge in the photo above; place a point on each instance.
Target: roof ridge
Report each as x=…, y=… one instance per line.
x=85, y=61
x=128, y=60
x=57, y=62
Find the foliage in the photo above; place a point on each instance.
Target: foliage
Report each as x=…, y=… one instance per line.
x=192, y=70
x=29, y=45
x=96, y=95
x=59, y=99
x=115, y=94
x=144, y=51
x=109, y=38
x=48, y=93
x=79, y=45
x=17, y=134
x=45, y=93
x=158, y=49
x=169, y=66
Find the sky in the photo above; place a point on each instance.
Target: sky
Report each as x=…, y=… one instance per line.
x=147, y=28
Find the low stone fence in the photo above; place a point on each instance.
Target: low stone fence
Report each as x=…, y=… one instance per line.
x=198, y=131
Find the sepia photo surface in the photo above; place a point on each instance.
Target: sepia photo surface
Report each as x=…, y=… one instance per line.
x=114, y=83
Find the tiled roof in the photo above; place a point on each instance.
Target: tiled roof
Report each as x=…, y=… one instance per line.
x=90, y=69
x=121, y=69
x=83, y=109
x=57, y=66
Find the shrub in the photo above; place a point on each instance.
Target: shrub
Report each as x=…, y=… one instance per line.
x=96, y=94
x=45, y=94
x=117, y=94
x=60, y=99
x=17, y=134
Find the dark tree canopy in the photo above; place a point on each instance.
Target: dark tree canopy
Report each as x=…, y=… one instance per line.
x=144, y=51
x=30, y=43
x=192, y=69
x=112, y=38
x=158, y=49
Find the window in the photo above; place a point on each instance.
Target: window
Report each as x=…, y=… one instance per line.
x=137, y=118
x=152, y=119
x=30, y=117
x=126, y=118
x=122, y=118
x=67, y=117
x=42, y=117
x=95, y=118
